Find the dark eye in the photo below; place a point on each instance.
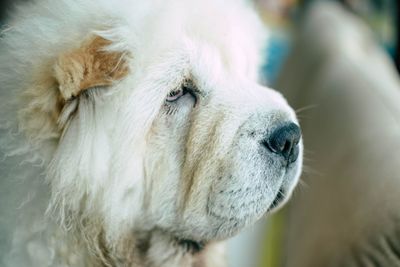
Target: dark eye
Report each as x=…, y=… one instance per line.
x=186, y=88
x=176, y=94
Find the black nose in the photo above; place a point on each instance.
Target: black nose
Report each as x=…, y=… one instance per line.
x=284, y=141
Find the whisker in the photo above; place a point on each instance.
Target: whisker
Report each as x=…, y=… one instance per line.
x=308, y=151
x=303, y=184
x=307, y=170
x=302, y=117
x=305, y=108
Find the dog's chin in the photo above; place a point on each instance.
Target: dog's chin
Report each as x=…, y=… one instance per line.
x=229, y=226
x=194, y=237
x=229, y=216
x=222, y=228
x=234, y=225
x=232, y=207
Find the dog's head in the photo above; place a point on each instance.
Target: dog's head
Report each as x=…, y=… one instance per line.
x=150, y=116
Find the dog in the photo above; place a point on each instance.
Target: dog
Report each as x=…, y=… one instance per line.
x=135, y=133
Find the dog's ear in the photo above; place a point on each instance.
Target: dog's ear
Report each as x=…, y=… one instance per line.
x=89, y=66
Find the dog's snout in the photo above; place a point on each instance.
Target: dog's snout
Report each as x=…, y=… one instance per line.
x=284, y=141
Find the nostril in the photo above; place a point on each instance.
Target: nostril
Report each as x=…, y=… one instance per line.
x=284, y=141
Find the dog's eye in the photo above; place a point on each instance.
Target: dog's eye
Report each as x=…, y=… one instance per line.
x=185, y=89
x=176, y=94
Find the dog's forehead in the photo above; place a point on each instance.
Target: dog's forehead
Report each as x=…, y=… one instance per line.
x=196, y=28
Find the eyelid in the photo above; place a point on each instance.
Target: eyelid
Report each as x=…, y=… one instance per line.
x=174, y=95
x=192, y=88
x=188, y=87
x=194, y=92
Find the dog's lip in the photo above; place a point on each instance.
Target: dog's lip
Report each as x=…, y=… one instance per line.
x=279, y=198
x=191, y=246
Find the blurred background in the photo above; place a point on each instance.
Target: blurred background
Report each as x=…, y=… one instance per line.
x=284, y=16
x=335, y=62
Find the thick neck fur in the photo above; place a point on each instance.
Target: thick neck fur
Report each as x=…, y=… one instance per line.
x=142, y=249
x=158, y=249
x=39, y=238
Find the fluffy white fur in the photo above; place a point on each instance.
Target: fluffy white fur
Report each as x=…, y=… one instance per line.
x=119, y=176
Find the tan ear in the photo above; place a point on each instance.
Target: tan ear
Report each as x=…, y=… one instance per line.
x=87, y=67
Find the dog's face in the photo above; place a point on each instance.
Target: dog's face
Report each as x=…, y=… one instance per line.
x=209, y=160
x=167, y=129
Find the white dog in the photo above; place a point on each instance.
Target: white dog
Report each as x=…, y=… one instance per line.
x=134, y=133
